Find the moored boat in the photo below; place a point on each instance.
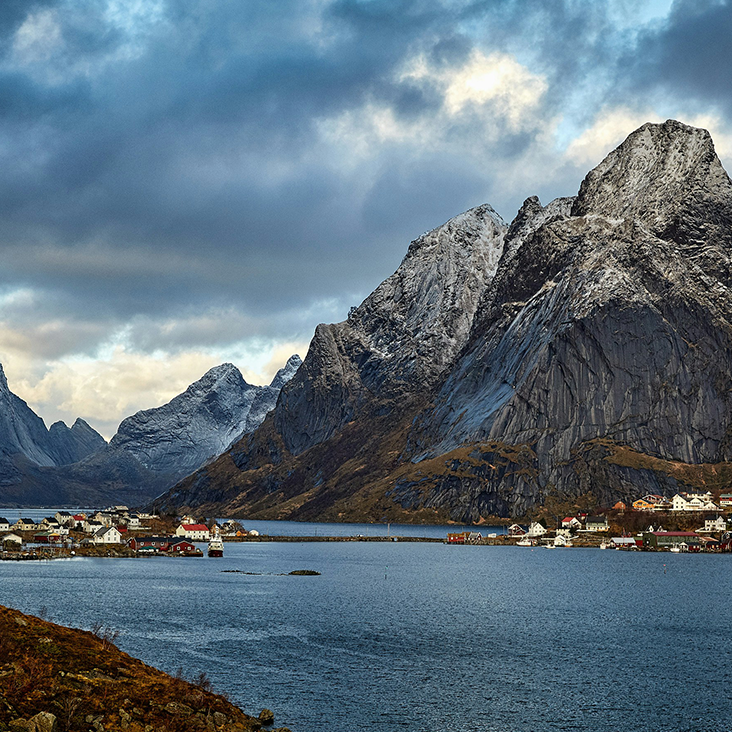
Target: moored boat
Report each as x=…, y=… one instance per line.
x=215, y=544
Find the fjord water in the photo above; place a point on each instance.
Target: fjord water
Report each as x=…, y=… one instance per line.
x=420, y=637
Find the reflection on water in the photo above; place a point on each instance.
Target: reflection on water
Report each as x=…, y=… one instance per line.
x=455, y=638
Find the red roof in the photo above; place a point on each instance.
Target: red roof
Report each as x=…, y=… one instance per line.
x=195, y=527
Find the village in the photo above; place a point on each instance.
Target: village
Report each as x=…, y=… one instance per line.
x=687, y=522
x=115, y=531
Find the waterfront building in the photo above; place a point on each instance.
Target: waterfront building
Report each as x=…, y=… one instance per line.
x=668, y=539
x=194, y=532
x=536, y=529
x=596, y=523
x=108, y=535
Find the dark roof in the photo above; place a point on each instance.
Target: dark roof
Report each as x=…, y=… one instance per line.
x=596, y=520
x=4, y=520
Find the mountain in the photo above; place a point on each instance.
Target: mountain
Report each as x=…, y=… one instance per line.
x=200, y=423
x=585, y=348
x=75, y=443
x=150, y=452
x=23, y=432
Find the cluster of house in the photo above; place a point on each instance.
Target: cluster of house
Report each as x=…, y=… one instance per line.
x=714, y=535
x=116, y=525
x=683, y=502
x=101, y=527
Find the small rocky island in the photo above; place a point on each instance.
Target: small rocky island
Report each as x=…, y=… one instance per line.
x=54, y=679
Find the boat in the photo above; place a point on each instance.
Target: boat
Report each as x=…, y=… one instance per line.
x=215, y=544
x=525, y=542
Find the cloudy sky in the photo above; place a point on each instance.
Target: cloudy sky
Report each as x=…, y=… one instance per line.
x=187, y=182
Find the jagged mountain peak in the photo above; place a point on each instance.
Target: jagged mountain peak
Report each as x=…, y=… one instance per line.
x=286, y=372
x=655, y=174
x=223, y=373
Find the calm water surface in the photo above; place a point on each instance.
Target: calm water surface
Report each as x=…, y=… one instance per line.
x=421, y=637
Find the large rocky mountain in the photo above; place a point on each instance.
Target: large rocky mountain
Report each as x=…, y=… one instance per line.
x=150, y=452
x=200, y=423
x=587, y=347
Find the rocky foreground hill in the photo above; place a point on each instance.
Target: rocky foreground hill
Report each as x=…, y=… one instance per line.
x=150, y=452
x=54, y=679
x=585, y=347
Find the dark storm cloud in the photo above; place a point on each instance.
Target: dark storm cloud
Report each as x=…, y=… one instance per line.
x=689, y=55
x=158, y=162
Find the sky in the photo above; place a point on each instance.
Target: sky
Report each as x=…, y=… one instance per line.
x=184, y=183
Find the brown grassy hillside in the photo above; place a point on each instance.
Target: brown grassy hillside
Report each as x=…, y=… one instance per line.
x=57, y=678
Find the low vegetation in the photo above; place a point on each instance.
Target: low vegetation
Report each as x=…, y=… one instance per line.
x=62, y=679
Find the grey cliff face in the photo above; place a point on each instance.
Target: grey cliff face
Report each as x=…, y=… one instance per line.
x=75, y=443
x=612, y=322
x=402, y=338
x=201, y=423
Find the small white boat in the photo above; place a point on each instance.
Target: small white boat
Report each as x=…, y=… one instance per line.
x=215, y=544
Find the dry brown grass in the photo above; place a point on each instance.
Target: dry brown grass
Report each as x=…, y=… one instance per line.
x=76, y=674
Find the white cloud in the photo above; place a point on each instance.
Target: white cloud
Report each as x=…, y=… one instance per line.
x=105, y=390
x=497, y=79
x=38, y=38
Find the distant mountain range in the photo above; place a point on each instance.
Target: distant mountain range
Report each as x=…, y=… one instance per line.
x=150, y=452
x=584, y=348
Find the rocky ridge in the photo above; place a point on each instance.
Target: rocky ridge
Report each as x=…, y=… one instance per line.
x=150, y=452
x=585, y=347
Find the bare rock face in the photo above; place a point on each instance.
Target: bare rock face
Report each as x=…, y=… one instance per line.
x=402, y=338
x=180, y=436
x=612, y=322
x=75, y=443
x=587, y=346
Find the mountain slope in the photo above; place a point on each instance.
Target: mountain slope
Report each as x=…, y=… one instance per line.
x=597, y=349
x=151, y=450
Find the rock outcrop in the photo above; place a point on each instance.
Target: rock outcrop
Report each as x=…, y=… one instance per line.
x=576, y=350
x=57, y=678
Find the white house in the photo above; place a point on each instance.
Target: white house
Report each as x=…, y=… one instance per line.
x=561, y=540
x=11, y=539
x=133, y=522
x=104, y=518
x=89, y=526
x=194, y=532
x=108, y=535
x=571, y=522
x=716, y=523
x=4, y=524
x=692, y=502
x=596, y=523
x=535, y=529
x=64, y=518
x=23, y=524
